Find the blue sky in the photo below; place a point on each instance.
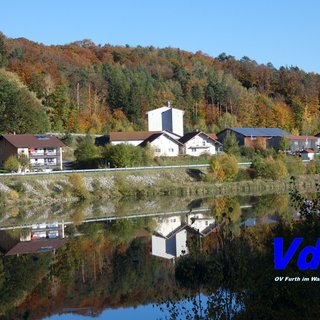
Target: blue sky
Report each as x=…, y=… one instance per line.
x=283, y=32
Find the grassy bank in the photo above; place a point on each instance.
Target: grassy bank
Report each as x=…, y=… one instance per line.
x=140, y=184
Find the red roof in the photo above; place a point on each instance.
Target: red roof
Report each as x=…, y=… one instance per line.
x=212, y=136
x=131, y=136
x=308, y=151
x=302, y=137
x=33, y=140
x=36, y=246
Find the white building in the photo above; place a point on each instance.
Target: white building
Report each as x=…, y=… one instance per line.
x=163, y=144
x=166, y=118
x=134, y=138
x=202, y=223
x=170, y=238
x=197, y=143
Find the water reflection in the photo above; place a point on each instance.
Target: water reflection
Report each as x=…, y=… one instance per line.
x=223, y=252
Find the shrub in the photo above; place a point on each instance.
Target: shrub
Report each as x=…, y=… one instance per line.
x=230, y=144
x=13, y=195
x=78, y=185
x=19, y=187
x=294, y=165
x=269, y=168
x=312, y=167
x=124, y=155
x=11, y=164
x=247, y=152
x=224, y=167
x=87, y=153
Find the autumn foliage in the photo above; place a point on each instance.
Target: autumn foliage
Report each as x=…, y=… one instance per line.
x=83, y=86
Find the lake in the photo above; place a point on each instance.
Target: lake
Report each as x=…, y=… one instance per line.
x=160, y=258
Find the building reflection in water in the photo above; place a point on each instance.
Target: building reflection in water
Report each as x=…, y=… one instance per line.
x=39, y=238
x=169, y=239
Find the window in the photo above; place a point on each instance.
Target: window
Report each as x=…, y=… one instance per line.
x=171, y=150
x=193, y=149
x=203, y=143
x=158, y=150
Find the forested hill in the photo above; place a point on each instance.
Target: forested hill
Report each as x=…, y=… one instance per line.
x=82, y=86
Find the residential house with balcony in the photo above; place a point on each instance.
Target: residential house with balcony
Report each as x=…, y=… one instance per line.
x=43, y=151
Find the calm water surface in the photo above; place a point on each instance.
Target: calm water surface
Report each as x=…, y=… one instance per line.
x=166, y=258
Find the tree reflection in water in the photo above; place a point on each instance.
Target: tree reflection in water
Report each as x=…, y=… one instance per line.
x=230, y=275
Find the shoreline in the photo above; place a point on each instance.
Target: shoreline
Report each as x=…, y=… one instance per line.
x=50, y=189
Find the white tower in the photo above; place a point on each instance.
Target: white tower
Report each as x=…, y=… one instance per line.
x=166, y=118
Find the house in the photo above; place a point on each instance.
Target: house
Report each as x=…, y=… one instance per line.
x=39, y=238
x=170, y=238
x=134, y=138
x=163, y=144
x=298, y=143
x=172, y=246
x=166, y=118
x=43, y=151
x=307, y=154
x=202, y=223
x=251, y=137
x=197, y=143
x=37, y=246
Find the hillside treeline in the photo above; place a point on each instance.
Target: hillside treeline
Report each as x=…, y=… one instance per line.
x=82, y=86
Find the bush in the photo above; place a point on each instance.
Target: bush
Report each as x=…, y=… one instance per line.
x=312, y=167
x=247, y=152
x=269, y=168
x=13, y=195
x=78, y=185
x=224, y=167
x=19, y=187
x=67, y=139
x=243, y=175
x=294, y=165
x=11, y=164
x=125, y=155
x=87, y=153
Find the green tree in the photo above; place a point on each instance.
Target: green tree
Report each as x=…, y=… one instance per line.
x=21, y=111
x=11, y=164
x=79, y=187
x=3, y=51
x=224, y=167
x=230, y=144
x=59, y=108
x=23, y=161
x=285, y=144
x=269, y=168
x=124, y=155
x=87, y=153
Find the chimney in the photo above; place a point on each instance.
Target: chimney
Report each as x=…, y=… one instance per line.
x=169, y=104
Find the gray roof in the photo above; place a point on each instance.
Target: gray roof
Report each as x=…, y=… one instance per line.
x=261, y=132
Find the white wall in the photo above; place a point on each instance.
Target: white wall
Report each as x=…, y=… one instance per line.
x=24, y=151
x=155, y=119
x=177, y=121
x=163, y=146
x=192, y=146
x=166, y=118
x=181, y=243
x=167, y=225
